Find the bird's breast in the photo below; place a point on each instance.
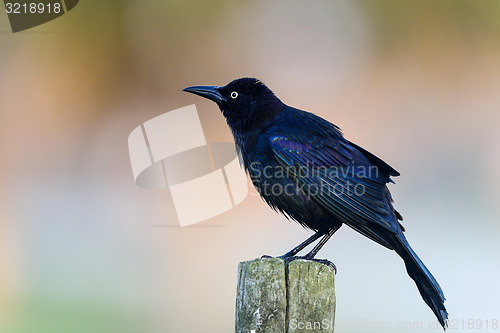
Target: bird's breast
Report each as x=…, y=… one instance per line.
x=284, y=195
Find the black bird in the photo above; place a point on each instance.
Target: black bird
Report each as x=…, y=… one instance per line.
x=303, y=167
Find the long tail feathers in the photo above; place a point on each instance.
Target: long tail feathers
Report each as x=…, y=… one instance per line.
x=427, y=285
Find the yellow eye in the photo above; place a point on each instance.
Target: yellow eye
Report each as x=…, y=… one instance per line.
x=234, y=94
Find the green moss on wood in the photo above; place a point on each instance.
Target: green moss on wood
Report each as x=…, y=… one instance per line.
x=261, y=301
x=274, y=296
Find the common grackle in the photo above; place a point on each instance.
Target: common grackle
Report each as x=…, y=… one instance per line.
x=303, y=167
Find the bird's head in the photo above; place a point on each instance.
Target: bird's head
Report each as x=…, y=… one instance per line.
x=246, y=103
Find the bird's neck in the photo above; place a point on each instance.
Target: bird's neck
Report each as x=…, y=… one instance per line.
x=246, y=131
x=261, y=115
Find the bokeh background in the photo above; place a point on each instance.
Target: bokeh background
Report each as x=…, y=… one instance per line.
x=83, y=249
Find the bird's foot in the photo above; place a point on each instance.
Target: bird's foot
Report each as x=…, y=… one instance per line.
x=286, y=257
x=321, y=261
x=325, y=262
x=289, y=258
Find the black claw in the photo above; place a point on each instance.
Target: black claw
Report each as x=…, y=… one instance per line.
x=321, y=261
x=329, y=263
x=286, y=256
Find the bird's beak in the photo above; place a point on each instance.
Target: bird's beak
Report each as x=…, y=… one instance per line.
x=210, y=92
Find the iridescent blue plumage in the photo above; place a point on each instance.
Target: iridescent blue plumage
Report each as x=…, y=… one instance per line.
x=303, y=167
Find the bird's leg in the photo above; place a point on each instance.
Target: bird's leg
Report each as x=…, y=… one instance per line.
x=302, y=245
x=322, y=242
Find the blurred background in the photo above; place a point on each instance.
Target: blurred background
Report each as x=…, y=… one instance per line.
x=83, y=249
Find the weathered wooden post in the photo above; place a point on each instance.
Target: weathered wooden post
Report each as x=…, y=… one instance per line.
x=274, y=295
